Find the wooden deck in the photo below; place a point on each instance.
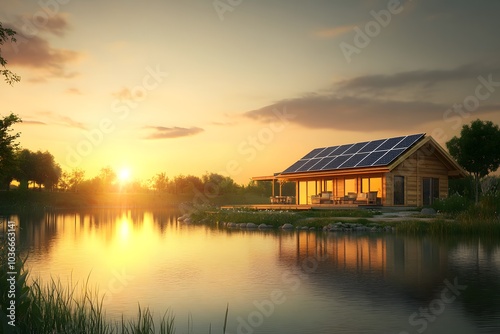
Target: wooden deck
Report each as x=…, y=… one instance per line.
x=300, y=207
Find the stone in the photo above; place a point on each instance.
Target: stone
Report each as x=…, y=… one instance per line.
x=251, y=225
x=428, y=211
x=287, y=226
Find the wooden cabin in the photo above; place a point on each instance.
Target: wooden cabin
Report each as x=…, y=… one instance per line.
x=408, y=170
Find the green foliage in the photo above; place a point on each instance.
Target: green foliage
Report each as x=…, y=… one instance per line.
x=312, y=218
x=476, y=150
x=37, y=167
x=8, y=147
x=7, y=35
x=453, y=204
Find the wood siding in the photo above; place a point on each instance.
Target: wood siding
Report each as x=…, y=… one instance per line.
x=421, y=164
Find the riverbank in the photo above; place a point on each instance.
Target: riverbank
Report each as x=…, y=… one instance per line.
x=357, y=220
x=32, y=200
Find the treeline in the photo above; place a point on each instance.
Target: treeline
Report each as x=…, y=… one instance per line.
x=210, y=183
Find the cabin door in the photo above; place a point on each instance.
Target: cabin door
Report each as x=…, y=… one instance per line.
x=399, y=190
x=430, y=190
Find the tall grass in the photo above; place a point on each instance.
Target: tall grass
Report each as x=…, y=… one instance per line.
x=273, y=217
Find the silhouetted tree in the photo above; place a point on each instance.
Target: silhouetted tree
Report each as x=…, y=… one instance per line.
x=6, y=35
x=38, y=167
x=218, y=184
x=8, y=147
x=160, y=182
x=477, y=150
x=106, y=179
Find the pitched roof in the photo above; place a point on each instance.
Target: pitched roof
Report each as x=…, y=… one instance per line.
x=375, y=153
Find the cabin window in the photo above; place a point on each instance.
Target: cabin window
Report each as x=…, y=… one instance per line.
x=430, y=190
x=311, y=190
x=399, y=190
x=349, y=186
x=372, y=184
x=302, y=192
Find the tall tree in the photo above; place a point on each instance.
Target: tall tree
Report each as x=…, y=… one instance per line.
x=8, y=147
x=6, y=35
x=477, y=150
x=38, y=167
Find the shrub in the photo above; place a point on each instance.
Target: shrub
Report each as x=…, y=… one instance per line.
x=454, y=204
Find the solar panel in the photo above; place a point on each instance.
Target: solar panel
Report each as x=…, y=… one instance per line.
x=313, y=153
x=389, y=157
x=389, y=143
x=355, y=159
x=322, y=163
x=379, y=152
x=409, y=141
x=371, y=146
x=295, y=166
x=326, y=152
x=335, y=163
x=356, y=147
x=342, y=149
x=371, y=158
x=308, y=165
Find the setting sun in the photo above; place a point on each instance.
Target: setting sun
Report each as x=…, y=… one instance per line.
x=124, y=175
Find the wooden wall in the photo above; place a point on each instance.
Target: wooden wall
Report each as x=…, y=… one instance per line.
x=419, y=165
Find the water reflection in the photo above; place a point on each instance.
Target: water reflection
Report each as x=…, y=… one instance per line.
x=330, y=281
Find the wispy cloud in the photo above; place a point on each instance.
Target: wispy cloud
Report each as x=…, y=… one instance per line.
x=160, y=132
x=36, y=52
x=63, y=120
x=74, y=91
x=422, y=78
x=333, y=32
x=33, y=123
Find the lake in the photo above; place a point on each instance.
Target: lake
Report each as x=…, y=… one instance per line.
x=273, y=281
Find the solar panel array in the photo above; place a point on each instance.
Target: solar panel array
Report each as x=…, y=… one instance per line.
x=366, y=154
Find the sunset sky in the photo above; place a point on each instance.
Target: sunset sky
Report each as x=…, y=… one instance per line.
x=242, y=87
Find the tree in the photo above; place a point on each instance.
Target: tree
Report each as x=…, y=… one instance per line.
x=38, y=167
x=47, y=171
x=106, y=178
x=6, y=35
x=8, y=147
x=477, y=150
x=160, y=182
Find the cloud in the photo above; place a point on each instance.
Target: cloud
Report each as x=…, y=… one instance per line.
x=74, y=91
x=126, y=94
x=161, y=132
x=423, y=78
x=333, y=32
x=384, y=102
x=56, y=24
x=351, y=113
x=33, y=123
x=35, y=52
x=62, y=120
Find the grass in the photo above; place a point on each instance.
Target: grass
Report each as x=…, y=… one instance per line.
x=311, y=218
x=71, y=308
